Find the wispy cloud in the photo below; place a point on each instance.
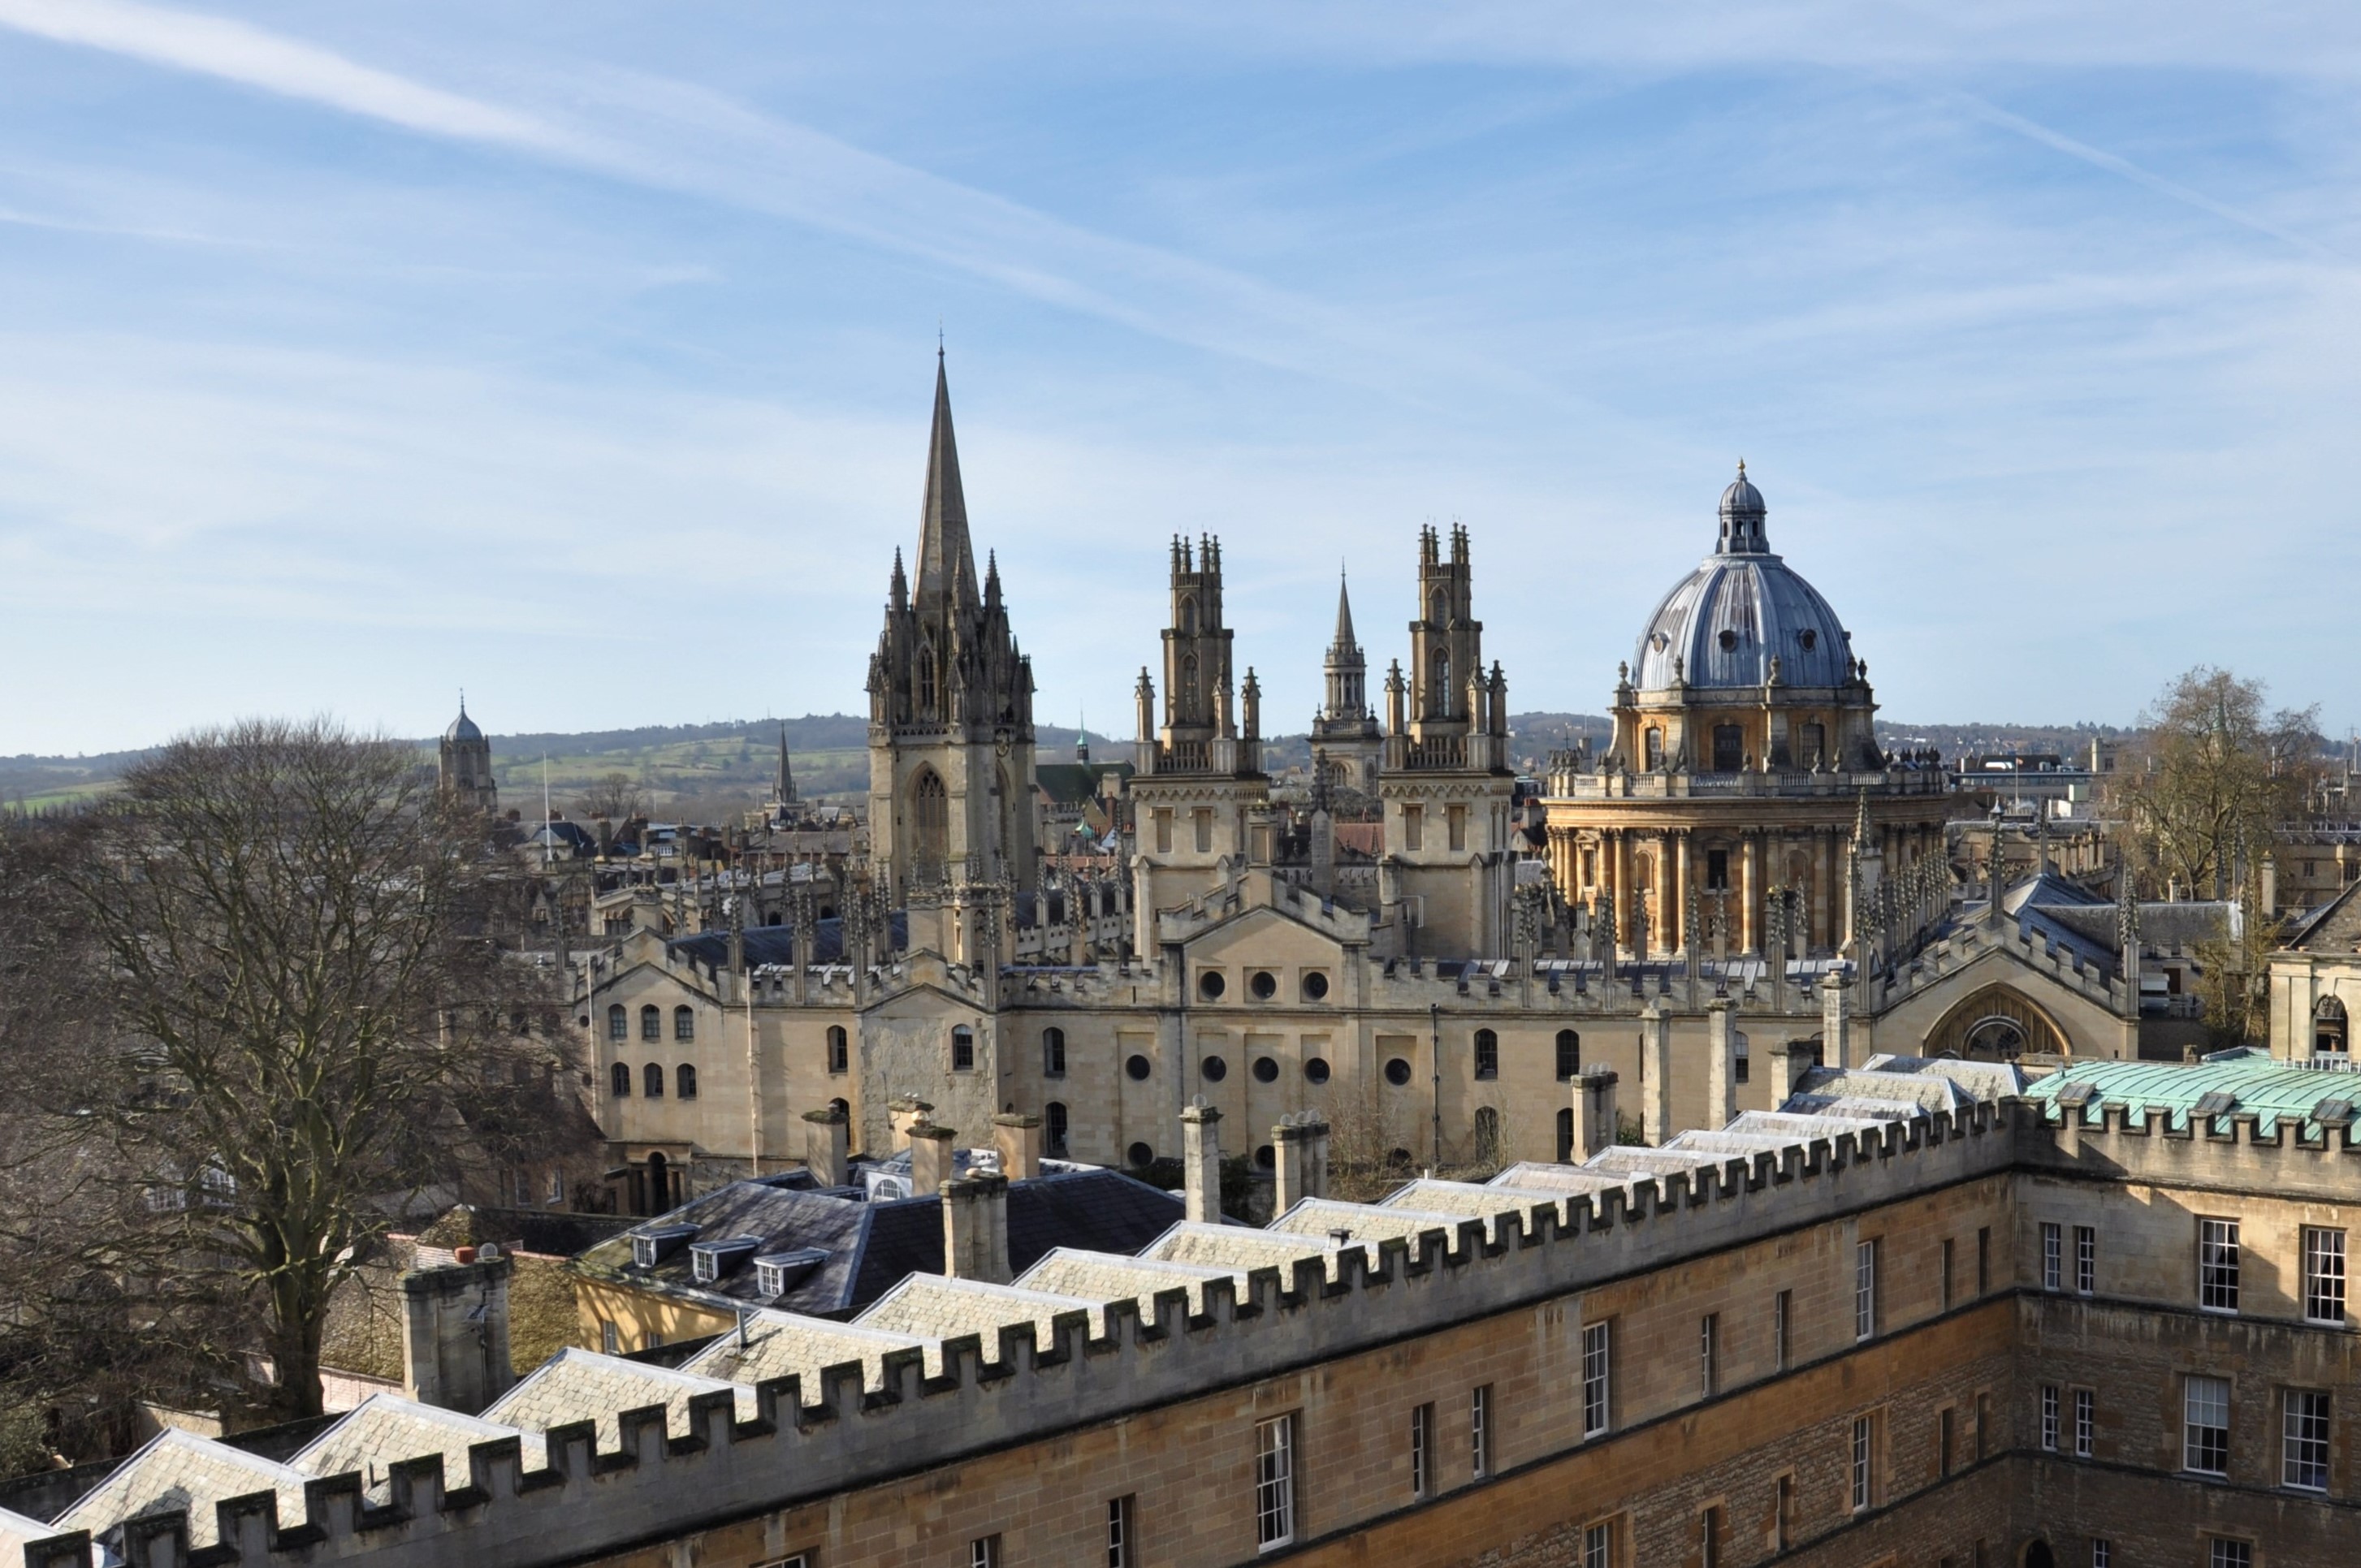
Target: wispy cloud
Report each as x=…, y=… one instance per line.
x=680, y=137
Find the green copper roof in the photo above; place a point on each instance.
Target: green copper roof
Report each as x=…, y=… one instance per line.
x=2269, y=1090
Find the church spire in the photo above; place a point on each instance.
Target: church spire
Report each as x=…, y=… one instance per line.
x=786, y=780
x=946, y=559
x=1345, y=642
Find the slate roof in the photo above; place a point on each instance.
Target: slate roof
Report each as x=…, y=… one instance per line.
x=872, y=1245
x=777, y=1344
x=182, y=1470
x=2333, y=927
x=776, y=944
x=384, y=1429
x=2270, y=1090
x=584, y=1386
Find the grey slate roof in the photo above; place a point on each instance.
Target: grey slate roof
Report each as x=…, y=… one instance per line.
x=872, y=1245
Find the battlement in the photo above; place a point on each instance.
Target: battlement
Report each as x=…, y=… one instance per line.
x=681, y=1456
x=1941, y=959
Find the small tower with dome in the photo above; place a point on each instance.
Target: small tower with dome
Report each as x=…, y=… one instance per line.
x=464, y=765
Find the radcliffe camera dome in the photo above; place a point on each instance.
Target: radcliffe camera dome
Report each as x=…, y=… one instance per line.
x=1725, y=620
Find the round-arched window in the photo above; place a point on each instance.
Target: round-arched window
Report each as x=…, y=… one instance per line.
x=1214, y=1069
x=651, y=1022
x=838, y=1054
x=685, y=1080
x=1210, y=985
x=1398, y=1071
x=1315, y=987
x=1569, y=1055
x=1137, y=1068
x=1265, y=1156
x=1054, y=1119
x=1266, y=1070
x=618, y=1023
x=652, y=1077
x=962, y=1048
x=1053, y=1052
x=1397, y=1158
x=1264, y=984
x=1487, y=1054
x=1316, y=1069
x=684, y=1023
x=1140, y=1156
x=620, y=1079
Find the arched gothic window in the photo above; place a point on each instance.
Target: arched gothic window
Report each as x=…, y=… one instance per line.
x=931, y=820
x=930, y=680
x=1487, y=1054
x=838, y=1052
x=1053, y=1052
x=1569, y=1055
x=684, y=1023
x=618, y=1023
x=651, y=1022
x=652, y=1076
x=1488, y=1135
x=620, y=1079
x=2328, y=1028
x=685, y=1078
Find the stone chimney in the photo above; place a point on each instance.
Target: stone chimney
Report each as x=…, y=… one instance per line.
x=1018, y=1139
x=1656, y=1075
x=1201, y=1162
x=1300, y=1144
x=827, y=1146
x=455, y=1349
x=1720, y=1066
x=1593, y=1113
x=975, y=1228
x=1784, y=1072
x=1836, y=1027
x=900, y=1114
x=933, y=1160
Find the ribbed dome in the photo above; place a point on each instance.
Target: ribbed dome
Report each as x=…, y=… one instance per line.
x=1727, y=620
x=463, y=729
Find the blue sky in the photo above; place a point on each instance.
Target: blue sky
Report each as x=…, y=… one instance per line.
x=580, y=354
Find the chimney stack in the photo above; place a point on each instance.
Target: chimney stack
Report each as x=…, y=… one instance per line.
x=1201, y=1162
x=455, y=1351
x=1836, y=1029
x=902, y=1114
x=933, y=1161
x=1018, y=1139
x=975, y=1228
x=828, y=1151
x=1720, y=1066
x=1301, y=1145
x=1656, y=1075
x=1593, y=1113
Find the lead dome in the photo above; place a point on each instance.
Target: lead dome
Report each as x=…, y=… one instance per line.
x=1725, y=620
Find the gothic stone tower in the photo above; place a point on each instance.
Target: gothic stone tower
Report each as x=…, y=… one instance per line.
x=1200, y=796
x=1346, y=744
x=1446, y=782
x=950, y=710
x=463, y=767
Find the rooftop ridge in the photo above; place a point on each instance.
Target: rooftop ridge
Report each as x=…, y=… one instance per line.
x=809, y=1439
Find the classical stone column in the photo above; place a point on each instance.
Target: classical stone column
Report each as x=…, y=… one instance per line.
x=1750, y=904
x=1620, y=860
x=1679, y=906
x=1666, y=914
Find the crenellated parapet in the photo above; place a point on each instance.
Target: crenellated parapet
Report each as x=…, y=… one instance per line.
x=733, y=1451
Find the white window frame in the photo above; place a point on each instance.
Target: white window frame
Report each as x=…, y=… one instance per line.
x=2323, y=1275
x=1864, y=1460
x=1598, y=1545
x=1709, y=1355
x=1597, y=1372
x=2305, y=1425
x=1779, y=1329
x=2086, y=1260
x=2086, y=1422
x=2102, y=1553
x=2202, y=1399
x=1275, y=1482
x=1864, y=1290
x=2217, y=1266
x=2053, y=1256
x=984, y=1551
x=1422, y=1450
x=2223, y=1553
x=2052, y=1418
x=1120, y=1551
x=1480, y=1430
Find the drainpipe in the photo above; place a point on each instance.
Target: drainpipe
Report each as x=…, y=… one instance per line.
x=1434, y=1053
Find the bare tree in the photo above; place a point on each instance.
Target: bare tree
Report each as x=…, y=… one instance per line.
x=2214, y=778
x=616, y=797
x=303, y=1022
